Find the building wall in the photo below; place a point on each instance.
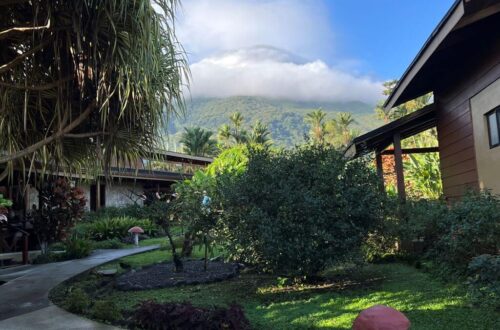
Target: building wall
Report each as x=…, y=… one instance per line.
x=117, y=193
x=455, y=127
x=487, y=160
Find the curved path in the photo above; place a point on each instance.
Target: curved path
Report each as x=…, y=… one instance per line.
x=24, y=299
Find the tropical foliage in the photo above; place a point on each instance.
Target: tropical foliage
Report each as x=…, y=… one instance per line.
x=336, y=132
x=61, y=206
x=198, y=142
x=84, y=82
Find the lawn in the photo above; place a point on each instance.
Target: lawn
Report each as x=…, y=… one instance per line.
x=428, y=303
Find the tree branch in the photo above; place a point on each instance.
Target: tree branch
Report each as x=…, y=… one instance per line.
x=21, y=57
x=6, y=33
x=47, y=140
x=84, y=135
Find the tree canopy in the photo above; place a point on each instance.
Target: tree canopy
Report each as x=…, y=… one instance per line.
x=84, y=82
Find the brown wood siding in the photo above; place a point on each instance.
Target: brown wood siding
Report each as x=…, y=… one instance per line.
x=454, y=125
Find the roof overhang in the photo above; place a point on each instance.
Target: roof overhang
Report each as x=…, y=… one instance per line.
x=450, y=39
x=382, y=137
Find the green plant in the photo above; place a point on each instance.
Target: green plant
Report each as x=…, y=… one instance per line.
x=297, y=211
x=77, y=248
x=5, y=203
x=106, y=310
x=113, y=243
x=110, y=228
x=61, y=206
x=77, y=301
x=484, y=280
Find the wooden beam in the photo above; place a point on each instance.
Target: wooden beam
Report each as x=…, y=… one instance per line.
x=380, y=170
x=398, y=160
x=98, y=194
x=412, y=151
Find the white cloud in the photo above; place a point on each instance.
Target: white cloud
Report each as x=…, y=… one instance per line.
x=270, y=72
x=208, y=26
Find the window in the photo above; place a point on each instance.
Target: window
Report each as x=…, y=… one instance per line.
x=493, y=119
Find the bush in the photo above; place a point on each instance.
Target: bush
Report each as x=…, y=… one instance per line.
x=484, y=281
x=297, y=212
x=77, y=248
x=113, y=243
x=48, y=257
x=414, y=226
x=106, y=310
x=184, y=316
x=470, y=228
x=131, y=211
x=114, y=228
x=77, y=301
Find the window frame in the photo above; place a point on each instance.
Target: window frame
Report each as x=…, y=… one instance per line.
x=496, y=113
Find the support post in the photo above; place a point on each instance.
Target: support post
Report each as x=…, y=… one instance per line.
x=98, y=194
x=380, y=170
x=398, y=160
x=25, y=249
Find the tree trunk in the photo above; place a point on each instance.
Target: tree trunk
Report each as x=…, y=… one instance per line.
x=178, y=266
x=206, y=252
x=187, y=246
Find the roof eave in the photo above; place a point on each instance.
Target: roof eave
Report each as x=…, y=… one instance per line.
x=445, y=26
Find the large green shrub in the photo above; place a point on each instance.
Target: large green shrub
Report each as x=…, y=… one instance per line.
x=470, y=228
x=298, y=211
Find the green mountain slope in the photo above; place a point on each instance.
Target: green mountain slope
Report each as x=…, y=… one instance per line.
x=284, y=118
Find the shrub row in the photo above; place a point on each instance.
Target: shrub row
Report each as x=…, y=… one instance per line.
x=114, y=228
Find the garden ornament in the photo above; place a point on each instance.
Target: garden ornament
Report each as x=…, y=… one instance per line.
x=136, y=231
x=380, y=317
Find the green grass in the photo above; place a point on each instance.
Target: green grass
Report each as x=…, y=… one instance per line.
x=428, y=303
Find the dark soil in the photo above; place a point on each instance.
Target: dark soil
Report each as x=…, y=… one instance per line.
x=163, y=275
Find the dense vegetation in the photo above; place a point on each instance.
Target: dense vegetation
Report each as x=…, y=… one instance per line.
x=285, y=119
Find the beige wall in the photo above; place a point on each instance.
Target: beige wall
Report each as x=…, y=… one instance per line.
x=488, y=160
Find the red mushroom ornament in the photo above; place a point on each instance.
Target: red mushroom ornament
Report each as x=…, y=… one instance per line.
x=136, y=231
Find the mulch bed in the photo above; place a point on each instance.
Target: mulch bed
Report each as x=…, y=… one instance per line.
x=163, y=275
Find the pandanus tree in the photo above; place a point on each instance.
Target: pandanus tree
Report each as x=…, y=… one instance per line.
x=83, y=82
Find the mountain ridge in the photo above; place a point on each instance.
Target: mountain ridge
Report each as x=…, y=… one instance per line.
x=285, y=118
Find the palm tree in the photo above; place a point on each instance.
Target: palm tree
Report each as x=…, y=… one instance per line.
x=198, y=142
x=317, y=121
x=260, y=134
x=240, y=135
x=224, y=135
x=84, y=82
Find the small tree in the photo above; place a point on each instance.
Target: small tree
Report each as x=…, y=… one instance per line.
x=61, y=205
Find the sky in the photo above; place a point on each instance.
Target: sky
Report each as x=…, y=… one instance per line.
x=303, y=50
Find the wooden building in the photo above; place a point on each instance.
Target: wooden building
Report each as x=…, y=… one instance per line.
x=460, y=65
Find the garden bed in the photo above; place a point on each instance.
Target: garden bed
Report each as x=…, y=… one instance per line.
x=163, y=275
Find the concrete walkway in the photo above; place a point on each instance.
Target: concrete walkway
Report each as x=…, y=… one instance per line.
x=24, y=301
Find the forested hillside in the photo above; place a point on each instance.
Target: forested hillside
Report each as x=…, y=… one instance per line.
x=284, y=118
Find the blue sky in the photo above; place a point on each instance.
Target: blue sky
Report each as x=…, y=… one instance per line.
x=384, y=34
x=307, y=50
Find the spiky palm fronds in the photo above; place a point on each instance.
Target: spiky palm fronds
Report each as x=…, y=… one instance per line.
x=316, y=119
x=86, y=82
x=198, y=142
x=260, y=134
